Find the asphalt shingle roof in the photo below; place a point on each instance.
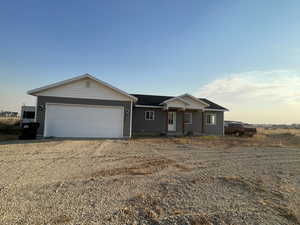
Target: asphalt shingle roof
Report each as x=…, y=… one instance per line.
x=155, y=100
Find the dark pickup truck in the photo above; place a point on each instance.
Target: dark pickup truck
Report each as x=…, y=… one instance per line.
x=238, y=129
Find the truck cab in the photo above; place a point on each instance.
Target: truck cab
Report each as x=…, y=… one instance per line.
x=27, y=114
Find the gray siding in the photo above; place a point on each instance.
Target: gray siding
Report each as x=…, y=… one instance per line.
x=159, y=125
x=196, y=126
x=140, y=126
x=217, y=129
x=42, y=100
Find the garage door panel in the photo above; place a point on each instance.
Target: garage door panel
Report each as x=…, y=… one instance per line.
x=84, y=121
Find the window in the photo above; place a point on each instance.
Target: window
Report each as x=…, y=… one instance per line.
x=28, y=115
x=149, y=115
x=211, y=119
x=188, y=118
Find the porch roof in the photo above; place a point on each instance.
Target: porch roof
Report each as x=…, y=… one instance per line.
x=156, y=100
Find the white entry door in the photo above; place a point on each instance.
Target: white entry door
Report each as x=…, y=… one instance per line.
x=171, y=121
x=83, y=121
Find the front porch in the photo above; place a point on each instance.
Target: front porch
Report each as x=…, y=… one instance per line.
x=184, y=115
x=181, y=122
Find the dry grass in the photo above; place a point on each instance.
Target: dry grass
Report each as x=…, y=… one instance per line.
x=272, y=198
x=62, y=219
x=144, y=167
x=254, y=185
x=279, y=131
x=199, y=220
x=289, y=212
x=9, y=128
x=8, y=137
x=263, y=138
x=9, y=121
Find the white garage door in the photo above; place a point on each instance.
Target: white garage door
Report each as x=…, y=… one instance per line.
x=83, y=121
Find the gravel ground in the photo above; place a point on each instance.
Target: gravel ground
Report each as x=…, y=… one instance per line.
x=148, y=181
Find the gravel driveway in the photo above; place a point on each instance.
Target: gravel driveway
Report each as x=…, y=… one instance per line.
x=148, y=181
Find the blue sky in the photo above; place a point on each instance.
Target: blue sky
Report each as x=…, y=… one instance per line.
x=153, y=47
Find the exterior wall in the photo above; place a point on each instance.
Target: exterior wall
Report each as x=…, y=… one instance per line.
x=140, y=126
x=218, y=128
x=84, y=88
x=42, y=100
x=196, y=126
x=159, y=125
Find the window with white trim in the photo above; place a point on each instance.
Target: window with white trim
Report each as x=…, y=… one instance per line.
x=188, y=118
x=211, y=119
x=149, y=115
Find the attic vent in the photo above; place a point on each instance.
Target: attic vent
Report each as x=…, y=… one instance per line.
x=87, y=84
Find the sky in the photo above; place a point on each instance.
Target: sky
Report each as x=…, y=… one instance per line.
x=244, y=55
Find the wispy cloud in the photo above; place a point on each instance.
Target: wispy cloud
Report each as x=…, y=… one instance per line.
x=257, y=91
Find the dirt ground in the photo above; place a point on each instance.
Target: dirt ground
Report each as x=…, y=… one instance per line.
x=197, y=181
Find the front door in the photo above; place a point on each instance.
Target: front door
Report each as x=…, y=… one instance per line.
x=171, y=121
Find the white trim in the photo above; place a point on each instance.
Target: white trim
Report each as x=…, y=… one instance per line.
x=160, y=107
x=211, y=114
x=68, y=104
x=37, y=90
x=150, y=111
x=217, y=110
x=175, y=98
x=148, y=106
x=130, y=128
x=196, y=99
x=174, y=115
x=95, y=106
x=191, y=122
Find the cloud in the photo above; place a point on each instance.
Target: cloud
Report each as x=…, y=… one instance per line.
x=257, y=92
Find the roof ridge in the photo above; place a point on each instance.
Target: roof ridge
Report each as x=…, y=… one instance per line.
x=155, y=95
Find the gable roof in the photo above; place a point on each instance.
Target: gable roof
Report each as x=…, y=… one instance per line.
x=156, y=100
x=57, y=84
x=213, y=105
x=173, y=99
x=194, y=98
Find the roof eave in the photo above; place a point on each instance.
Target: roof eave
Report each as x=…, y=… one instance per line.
x=220, y=110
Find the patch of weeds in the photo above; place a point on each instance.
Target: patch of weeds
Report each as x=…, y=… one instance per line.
x=182, y=167
x=208, y=137
x=199, y=220
x=62, y=219
x=145, y=167
x=252, y=185
x=285, y=211
x=143, y=207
